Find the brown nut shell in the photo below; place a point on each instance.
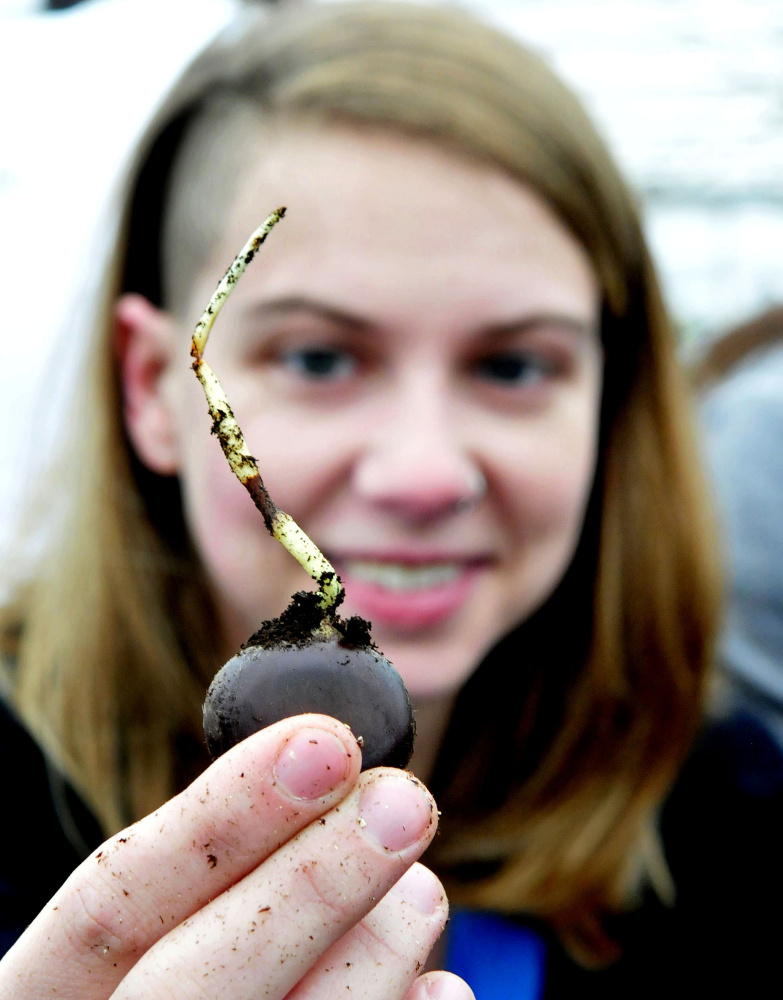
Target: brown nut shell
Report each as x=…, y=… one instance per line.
x=356, y=685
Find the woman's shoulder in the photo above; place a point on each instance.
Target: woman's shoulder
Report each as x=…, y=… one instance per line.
x=722, y=830
x=45, y=833
x=735, y=755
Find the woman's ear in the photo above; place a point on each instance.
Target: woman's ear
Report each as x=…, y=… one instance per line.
x=145, y=342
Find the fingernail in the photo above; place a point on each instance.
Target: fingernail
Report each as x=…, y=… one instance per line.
x=395, y=811
x=420, y=888
x=311, y=764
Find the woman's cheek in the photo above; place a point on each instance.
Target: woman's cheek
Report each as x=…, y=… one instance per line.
x=567, y=458
x=303, y=459
x=243, y=562
x=547, y=501
x=560, y=497
x=548, y=485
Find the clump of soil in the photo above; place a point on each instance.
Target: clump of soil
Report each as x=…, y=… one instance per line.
x=302, y=618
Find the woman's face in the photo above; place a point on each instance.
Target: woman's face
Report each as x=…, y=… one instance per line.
x=414, y=358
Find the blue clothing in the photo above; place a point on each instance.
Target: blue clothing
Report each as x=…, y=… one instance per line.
x=502, y=959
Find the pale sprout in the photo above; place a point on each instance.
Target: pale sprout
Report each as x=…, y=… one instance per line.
x=281, y=525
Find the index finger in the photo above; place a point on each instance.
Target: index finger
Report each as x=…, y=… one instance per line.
x=152, y=876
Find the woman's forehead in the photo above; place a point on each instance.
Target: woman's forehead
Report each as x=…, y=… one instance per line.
x=372, y=211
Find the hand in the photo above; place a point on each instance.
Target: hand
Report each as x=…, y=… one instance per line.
x=280, y=872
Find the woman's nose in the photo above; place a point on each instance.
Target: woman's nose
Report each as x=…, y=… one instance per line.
x=416, y=465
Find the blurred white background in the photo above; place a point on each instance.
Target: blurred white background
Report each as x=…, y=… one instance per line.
x=689, y=94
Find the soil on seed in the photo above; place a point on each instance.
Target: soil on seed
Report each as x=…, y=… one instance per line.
x=302, y=617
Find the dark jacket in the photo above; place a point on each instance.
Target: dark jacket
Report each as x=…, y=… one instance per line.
x=722, y=830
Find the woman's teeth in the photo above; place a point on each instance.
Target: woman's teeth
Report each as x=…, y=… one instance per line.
x=397, y=576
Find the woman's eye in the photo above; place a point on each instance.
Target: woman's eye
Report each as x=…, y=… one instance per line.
x=320, y=363
x=511, y=369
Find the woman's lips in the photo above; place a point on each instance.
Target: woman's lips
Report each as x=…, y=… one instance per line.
x=399, y=594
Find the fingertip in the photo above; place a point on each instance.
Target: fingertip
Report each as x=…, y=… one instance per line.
x=422, y=890
x=396, y=810
x=440, y=986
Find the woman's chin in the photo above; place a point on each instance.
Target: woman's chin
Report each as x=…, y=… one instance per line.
x=430, y=670
x=435, y=637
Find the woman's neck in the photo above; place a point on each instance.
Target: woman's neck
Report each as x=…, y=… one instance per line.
x=432, y=718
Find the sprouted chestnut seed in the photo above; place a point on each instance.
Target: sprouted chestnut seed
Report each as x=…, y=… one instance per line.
x=309, y=659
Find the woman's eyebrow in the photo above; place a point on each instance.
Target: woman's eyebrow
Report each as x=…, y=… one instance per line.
x=302, y=305
x=582, y=327
x=290, y=304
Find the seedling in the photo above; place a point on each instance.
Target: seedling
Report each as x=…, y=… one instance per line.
x=309, y=659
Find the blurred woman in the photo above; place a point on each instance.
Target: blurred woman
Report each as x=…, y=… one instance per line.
x=453, y=363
